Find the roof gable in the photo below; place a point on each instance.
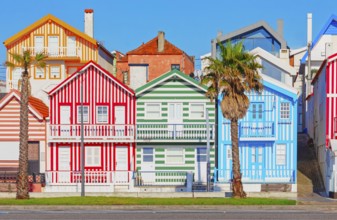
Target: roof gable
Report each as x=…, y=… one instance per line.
x=85, y=67
x=166, y=76
x=35, y=105
x=251, y=28
x=330, y=27
x=151, y=48
x=279, y=87
x=274, y=60
x=41, y=22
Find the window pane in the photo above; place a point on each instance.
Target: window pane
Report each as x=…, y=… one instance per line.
x=147, y=150
x=39, y=73
x=147, y=158
x=152, y=110
x=202, y=158
x=201, y=150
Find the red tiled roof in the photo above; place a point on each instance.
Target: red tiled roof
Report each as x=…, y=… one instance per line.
x=151, y=48
x=36, y=103
x=39, y=106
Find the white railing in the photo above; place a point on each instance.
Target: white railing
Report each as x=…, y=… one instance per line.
x=257, y=175
x=161, y=178
x=196, y=132
x=56, y=51
x=12, y=84
x=91, y=177
x=90, y=132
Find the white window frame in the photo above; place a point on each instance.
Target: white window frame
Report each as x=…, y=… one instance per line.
x=191, y=110
x=281, y=157
x=40, y=48
x=284, y=112
x=107, y=114
x=54, y=76
x=169, y=154
x=147, y=154
x=17, y=72
x=41, y=71
x=79, y=114
x=93, y=152
x=147, y=115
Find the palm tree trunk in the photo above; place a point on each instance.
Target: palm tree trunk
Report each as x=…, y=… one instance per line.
x=22, y=181
x=236, y=184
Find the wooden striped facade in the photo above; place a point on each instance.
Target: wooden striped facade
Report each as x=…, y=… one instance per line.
x=106, y=138
x=67, y=49
x=171, y=139
x=10, y=131
x=324, y=121
x=10, y=123
x=267, y=137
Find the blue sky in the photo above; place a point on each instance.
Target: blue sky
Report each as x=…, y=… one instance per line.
x=189, y=24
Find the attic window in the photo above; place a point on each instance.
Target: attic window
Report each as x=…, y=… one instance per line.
x=125, y=77
x=175, y=67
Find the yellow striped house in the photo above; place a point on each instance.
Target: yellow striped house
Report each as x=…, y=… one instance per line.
x=67, y=49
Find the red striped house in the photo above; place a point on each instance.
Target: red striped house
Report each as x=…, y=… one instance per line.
x=10, y=133
x=108, y=118
x=324, y=121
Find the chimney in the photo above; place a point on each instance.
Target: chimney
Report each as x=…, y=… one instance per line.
x=309, y=28
x=280, y=27
x=89, y=22
x=161, y=41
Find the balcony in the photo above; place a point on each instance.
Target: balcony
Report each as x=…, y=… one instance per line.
x=56, y=52
x=97, y=133
x=257, y=175
x=251, y=130
x=174, y=133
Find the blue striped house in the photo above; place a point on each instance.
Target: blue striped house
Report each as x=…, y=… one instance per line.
x=267, y=139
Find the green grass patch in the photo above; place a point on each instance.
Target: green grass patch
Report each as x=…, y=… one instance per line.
x=91, y=200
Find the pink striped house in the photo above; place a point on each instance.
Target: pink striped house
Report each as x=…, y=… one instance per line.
x=324, y=121
x=108, y=117
x=10, y=133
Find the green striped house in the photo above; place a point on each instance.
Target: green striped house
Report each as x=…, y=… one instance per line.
x=171, y=137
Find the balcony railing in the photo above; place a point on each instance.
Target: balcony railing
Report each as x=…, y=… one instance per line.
x=103, y=133
x=56, y=51
x=91, y=177
x=254, y=129
x=161, y=178
x=178, y=132
x=257, y=175
x=142, y=132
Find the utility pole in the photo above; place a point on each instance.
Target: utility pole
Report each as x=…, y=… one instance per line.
x=208, y=152
x=82, y=144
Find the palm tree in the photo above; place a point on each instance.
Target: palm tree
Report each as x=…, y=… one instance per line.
x=24, y=61
x=233, y=74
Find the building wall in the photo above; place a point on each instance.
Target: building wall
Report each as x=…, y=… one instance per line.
x=67, y=64
x=10, y=135
x=173, y=90
x=157, y=64
x=108, y=156
x=285, y=133
x=10, y=123
x=98, y=89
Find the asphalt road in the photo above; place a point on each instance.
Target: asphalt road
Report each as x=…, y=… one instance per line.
x=162, y=214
